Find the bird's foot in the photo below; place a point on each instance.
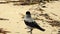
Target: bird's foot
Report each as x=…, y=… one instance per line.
x=28, y=31
x=27, y=28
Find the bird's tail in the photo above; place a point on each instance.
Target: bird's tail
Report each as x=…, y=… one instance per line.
x=41, y=29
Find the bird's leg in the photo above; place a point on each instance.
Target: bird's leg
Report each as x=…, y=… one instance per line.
x=30, y=31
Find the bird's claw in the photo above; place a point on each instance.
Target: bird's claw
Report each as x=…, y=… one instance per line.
x=25, y=28
x=28, y=31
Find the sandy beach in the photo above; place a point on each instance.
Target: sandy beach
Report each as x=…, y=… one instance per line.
x=15, y=23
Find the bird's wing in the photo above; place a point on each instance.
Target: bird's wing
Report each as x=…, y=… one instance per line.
x=31, y=23
x=35, y=25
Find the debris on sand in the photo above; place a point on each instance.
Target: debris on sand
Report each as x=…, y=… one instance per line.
x=3, y=19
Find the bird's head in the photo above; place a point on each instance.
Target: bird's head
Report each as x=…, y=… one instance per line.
x=28, y=14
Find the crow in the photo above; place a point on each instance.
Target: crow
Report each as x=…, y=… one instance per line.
x=30, y=23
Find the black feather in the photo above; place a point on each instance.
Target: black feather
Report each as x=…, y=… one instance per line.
x=34, y=25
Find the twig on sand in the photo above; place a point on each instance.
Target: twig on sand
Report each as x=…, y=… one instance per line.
x=3, y=19
x=3, y=31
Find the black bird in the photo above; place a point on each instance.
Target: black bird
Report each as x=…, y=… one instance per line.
x=31, y=23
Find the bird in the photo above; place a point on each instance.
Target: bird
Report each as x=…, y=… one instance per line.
x=30, y=23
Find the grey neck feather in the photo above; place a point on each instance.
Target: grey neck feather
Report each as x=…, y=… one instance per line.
x=28, y=18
